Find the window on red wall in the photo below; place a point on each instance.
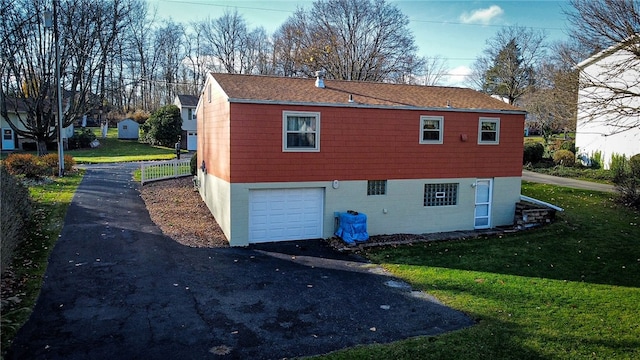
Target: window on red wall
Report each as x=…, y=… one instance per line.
x=301, y=131
x=489, y=131
x=431, y=129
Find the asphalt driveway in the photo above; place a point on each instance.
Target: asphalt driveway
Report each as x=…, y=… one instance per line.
x=566, y=182
x=116, y=288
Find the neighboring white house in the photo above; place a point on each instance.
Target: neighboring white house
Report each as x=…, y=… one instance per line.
x=187, y=105
x=128, y=129
x=11, y=140
x=608, y=103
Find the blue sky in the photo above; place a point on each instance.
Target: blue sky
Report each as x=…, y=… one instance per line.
x=454, y=30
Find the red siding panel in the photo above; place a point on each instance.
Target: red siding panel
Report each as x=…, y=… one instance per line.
x=356, y=144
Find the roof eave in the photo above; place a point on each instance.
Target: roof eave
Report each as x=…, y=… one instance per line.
x=370, y=106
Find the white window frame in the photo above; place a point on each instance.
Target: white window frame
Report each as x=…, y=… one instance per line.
x=440, y=119
x=285, y=115
x=493, y=120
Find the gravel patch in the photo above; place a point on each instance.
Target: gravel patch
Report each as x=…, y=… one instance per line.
x=180, y=213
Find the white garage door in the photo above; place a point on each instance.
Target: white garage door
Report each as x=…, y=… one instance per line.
x=192, y=140
x=285, y=214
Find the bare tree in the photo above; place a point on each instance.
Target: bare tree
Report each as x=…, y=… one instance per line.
x=225, y=41
x=168, y=45
x=28, y=84
x=509, y=61
x=194, y=62
x=610, y=90
x=551, y=104
x=289, y=42
x=351, y=40
x=259, y=53
x=86, y=29
x=435, y=70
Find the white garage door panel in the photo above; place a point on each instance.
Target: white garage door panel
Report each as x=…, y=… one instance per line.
x=285, y=214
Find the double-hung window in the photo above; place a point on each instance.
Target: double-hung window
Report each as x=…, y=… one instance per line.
x=489, y=131
x=301, y=131
x=431, y=129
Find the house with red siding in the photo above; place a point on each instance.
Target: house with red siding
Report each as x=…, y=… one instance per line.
x=279, y=157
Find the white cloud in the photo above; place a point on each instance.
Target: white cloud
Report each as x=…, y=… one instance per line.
x=482, y=16
x=458, y=76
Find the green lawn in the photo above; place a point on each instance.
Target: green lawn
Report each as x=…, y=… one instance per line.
x=112, y=149
x=570, y=290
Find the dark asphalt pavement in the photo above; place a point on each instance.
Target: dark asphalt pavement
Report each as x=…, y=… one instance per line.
x=116, y=288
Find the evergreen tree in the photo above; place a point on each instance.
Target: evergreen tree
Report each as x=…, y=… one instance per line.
x=508, y=76
x=163, y=126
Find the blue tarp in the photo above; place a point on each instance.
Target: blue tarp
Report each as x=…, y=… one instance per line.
x=352, y=227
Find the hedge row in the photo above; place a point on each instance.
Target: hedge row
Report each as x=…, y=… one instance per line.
x=32, y=166
x=15, y=215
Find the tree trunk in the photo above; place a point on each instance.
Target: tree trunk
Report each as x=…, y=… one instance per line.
x=42, y=147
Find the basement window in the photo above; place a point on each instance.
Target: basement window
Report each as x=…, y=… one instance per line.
x=377, y=187
x=441, y=194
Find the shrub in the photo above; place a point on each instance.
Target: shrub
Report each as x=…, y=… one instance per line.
x=139, y=116
x=27, y=165
x=164, y=127
x=564, y=158
x=82, y=138
x=194, y=164
x=533, y=152
x=619, y=162
x=50, y=161
x=634, y=165
x=14, y=218
x=595, y=161
x=628, y=188
x=569, y=145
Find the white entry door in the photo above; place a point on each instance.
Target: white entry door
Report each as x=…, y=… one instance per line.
x=7, y=139
x=192, y=140
x=285, y=214
x=483, y=203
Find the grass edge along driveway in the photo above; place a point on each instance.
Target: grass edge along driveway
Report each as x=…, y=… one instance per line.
x=570, y=290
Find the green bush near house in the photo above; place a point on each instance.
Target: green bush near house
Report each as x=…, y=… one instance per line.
x=634, y=165
x=82, y=138
x=564, y=158
x=533, y=152
x=163, y=127
x=568, y=145
x=194, y=164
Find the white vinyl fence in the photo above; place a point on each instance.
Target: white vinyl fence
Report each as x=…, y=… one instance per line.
x=159, y=170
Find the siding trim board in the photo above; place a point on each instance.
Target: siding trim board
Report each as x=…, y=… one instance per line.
x=367, y=106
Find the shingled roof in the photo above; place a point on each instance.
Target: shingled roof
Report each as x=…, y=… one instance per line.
x=289, y=90
x=188, y=100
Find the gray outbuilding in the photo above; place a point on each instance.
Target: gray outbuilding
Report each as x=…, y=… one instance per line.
x=128, y=129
